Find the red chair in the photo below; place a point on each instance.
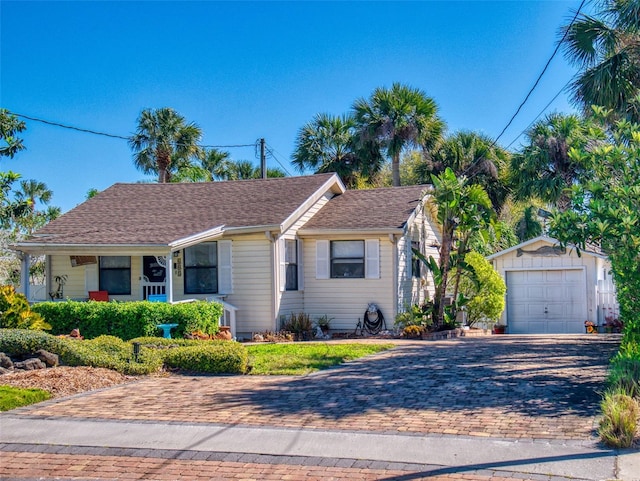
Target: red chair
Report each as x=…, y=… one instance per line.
x=99, y=296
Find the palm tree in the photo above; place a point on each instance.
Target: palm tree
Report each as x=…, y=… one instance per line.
x=216, y=163
x=33, y=191
x=397, y=118
x=606, y=48
x=164, y=141
x=460, y=209
x=10, y=125
x=474, y=156
x=327, y=144
x=544, y=169
x=245, y=170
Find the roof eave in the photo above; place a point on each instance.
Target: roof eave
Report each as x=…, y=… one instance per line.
x=194, y=239
x=545, y=238
x=347, y=232
x=333, y=183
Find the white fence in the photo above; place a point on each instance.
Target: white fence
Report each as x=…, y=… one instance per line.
x=607, y=301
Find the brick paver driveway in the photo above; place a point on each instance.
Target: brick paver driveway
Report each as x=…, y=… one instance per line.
x=500, y=386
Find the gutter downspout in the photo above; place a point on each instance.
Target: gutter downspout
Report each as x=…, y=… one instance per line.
x=394, y=269
x=274, y=278
x=169, y=277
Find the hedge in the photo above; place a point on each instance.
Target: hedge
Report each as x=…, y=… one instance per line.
x=128, y=320
x=215, y=357
x=220, y=357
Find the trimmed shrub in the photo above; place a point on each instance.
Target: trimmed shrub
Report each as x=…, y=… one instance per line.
x=20, y=342
x=104, y=351
x=217, y=357
x=128, y=320
x=112, y=353
x=15, y=312
x=619, y=421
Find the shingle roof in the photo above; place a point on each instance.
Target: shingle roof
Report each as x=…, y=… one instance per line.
x=387, y=208
x=129, y=214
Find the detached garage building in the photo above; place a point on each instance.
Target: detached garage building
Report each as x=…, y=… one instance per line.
x=554, y=291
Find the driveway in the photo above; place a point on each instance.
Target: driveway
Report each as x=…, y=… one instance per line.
x=538, y=392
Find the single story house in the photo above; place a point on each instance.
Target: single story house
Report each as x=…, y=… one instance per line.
x=266, y=248
x=552, y=290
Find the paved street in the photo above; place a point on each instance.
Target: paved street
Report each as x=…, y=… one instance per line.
x=477, y=408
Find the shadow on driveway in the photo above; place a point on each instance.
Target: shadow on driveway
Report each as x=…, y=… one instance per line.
x=533, y=376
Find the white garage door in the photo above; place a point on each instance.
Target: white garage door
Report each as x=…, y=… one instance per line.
x=546, y=302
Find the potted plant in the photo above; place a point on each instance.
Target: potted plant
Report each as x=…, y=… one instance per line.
x=499, y=328
x=324, y=323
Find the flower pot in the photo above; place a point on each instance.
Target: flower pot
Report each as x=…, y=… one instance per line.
x=499, y=329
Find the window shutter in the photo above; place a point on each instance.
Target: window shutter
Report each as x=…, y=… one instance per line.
x=322, y=259
x=300, y=268
x=282, y=264
x=372, y=258
x=91, y=277
x=409, y=261
x=225, y=279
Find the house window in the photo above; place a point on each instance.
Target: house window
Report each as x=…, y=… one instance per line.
x=201, y=269
x=347, y=259
x=415, y=261
x=115, y=275
x=291, y=264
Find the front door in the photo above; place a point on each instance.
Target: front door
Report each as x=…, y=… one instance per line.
x=154, y=274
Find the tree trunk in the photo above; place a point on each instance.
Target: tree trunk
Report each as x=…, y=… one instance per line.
x=395, y=169
x=162, y=163
x=441, y=291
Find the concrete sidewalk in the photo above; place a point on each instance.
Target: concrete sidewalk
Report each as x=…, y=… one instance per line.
x=434, y=454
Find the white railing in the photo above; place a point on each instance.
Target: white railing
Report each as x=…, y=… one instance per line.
x=228, y=317
x=153, y=289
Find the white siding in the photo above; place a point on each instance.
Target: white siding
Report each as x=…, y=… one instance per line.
x=413, y=290
x=293, y=301
x=81, y=279
x=313, y=210
x=511, y=262
x=346, y=300
x=252, y=284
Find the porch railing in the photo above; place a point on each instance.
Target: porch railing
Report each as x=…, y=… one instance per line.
x=153, y=289
x=228, y=317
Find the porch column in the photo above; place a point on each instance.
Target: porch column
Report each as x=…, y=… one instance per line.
x=25, y=261
x=169, y=277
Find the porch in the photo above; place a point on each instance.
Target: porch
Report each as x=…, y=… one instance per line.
x=122, y=278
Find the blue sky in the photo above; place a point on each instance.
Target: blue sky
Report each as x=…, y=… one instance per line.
x=245, y=70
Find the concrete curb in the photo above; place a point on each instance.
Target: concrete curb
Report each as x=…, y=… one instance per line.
x=446, y=454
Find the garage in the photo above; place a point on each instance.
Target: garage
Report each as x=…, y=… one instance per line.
x=546, y=301
x=552, y=290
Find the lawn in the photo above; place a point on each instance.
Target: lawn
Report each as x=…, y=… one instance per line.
x=13, y=397
x=302, y=358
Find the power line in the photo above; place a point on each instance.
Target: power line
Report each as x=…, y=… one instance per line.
x=70, y=127
x=271, y=151
x=539, y=114
x=114, y=136
x=566, y=32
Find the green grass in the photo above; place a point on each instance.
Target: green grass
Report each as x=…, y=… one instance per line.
x=299, y=359
x=619, y=423
x=14, y=397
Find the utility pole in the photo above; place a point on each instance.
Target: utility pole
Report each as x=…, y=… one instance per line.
x=263, y=160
